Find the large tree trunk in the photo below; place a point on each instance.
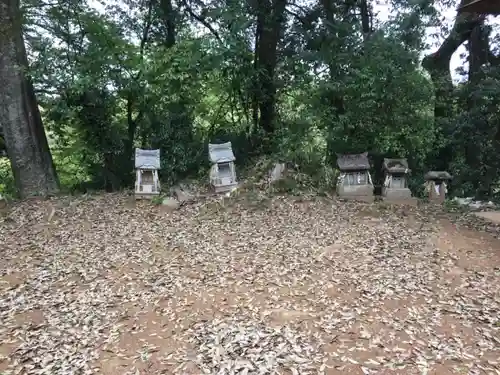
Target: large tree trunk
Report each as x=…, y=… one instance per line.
x=479, y=52
x=20, y=118
x=438, y=66
x=167, y=15
x=483, y=173
x=438, y=63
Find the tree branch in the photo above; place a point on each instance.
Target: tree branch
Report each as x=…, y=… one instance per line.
x=147, y=27
x=202, y=20
x=296, y=16
x=461, y=31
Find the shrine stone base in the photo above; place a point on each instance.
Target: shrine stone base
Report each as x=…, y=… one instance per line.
x=359, y=198
x=403, y=201
x=225, y=188
x=396, y=193
x=146, y=195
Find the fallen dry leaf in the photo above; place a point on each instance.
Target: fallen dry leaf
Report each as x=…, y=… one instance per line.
x=259, y=284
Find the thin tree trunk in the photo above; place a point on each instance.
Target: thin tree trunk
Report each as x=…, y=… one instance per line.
x=334, y=98
x=366, y=18
x=132, y=96
x=129, y=141
x=256, y=89
x=270, y=17
x=25, y=139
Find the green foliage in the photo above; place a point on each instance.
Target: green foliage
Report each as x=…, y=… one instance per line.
x=475, y=139
x=7, y=188
x=286, y=185
x=454, y=207
x=386, y=110
x=387, y=105
x=157, y=200
x=144, y=75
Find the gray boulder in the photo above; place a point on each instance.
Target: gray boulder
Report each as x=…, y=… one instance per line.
x=170, y=204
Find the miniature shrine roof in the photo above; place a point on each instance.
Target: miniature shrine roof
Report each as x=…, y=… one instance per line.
x=353, y=162
x=220, y=153
x=147, y=159
x=481, y=6
x=396, y=166
x=437, y=175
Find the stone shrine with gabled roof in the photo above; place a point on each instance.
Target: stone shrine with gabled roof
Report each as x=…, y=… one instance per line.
x=395, y=188
x=355, y=181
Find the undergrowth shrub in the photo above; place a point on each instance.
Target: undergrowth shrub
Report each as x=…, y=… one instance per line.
x=7, y=186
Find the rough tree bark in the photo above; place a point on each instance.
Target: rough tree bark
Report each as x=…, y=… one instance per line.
x=3, y=151
x=479, y=51
x=25, y=139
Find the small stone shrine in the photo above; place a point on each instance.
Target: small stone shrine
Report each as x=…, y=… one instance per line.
x=435, y=185
x=222, y=172
x=147, y=165
x=355, y=181
x=395, y=187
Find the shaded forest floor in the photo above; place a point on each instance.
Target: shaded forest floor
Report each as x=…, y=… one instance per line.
x=106, y=285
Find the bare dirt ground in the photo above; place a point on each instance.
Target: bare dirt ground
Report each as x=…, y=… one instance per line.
x=286, y=286
x=493, y=216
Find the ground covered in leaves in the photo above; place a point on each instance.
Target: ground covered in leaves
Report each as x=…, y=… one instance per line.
x=251, y=285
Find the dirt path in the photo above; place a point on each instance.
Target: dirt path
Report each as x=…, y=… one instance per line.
x=299, y=287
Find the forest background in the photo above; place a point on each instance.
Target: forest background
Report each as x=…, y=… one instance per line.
x=288, y=80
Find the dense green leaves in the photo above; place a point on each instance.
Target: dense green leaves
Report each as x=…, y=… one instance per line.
x=178, y=74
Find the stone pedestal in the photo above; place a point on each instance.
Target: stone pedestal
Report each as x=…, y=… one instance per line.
x=362, y=193
x=392, y=193
x=398, y=196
